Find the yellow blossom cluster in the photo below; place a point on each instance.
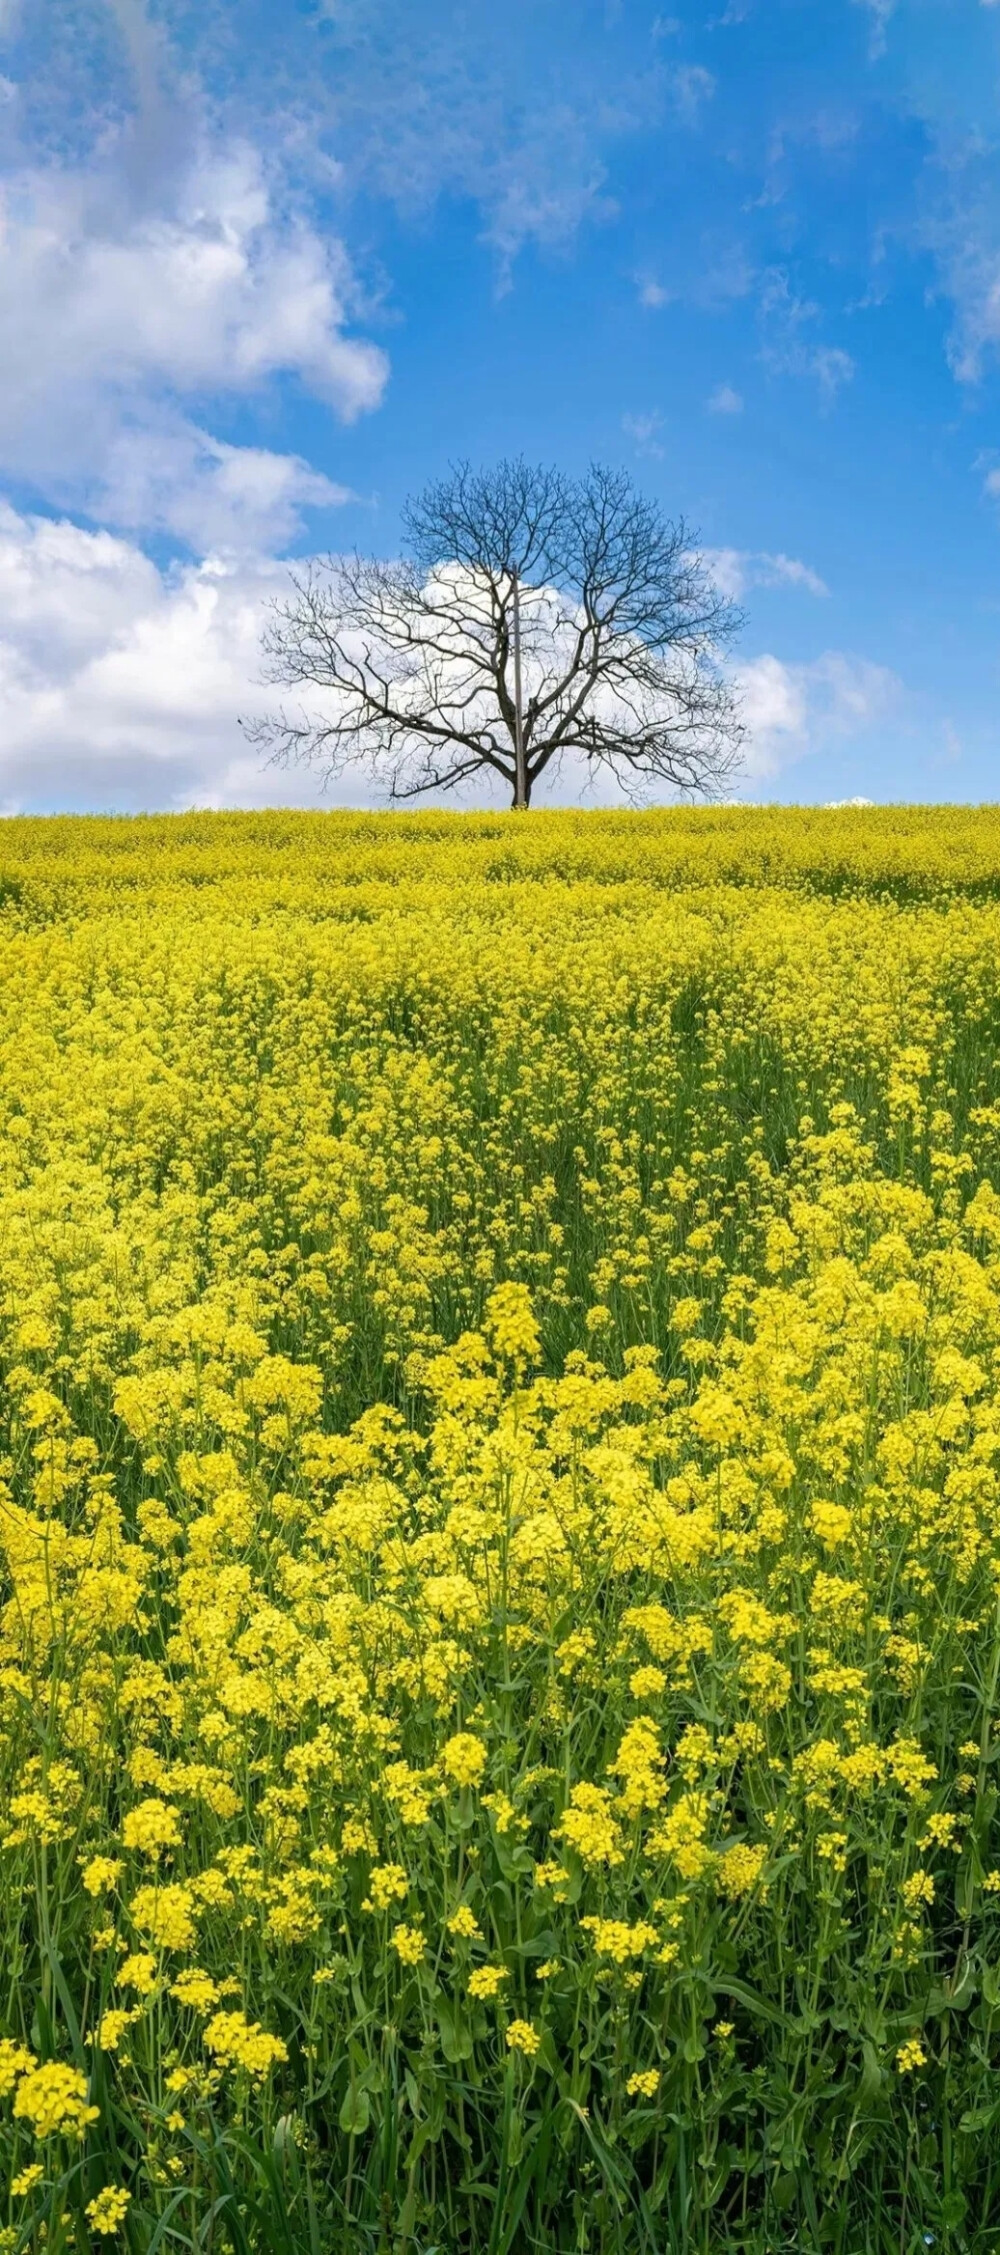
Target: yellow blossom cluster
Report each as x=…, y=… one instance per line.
x=500, y=1531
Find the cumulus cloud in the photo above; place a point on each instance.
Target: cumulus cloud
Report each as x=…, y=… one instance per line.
x=121, y=682
x=117, y=310
x=794, y=710
x=517, y=112
x=214, y=288
x=166, y=474
x=736, y=570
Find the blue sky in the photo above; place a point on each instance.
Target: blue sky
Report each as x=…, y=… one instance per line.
x=266, y=266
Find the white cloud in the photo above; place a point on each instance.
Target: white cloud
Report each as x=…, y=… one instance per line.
x=957, y=215
x=735, y=570
x=711, y=275
x=498, y=106
x=116, y=310
x=794, y=710
x=518, y=112
x=691, y=87
x=723, y=273
x=122, y=683
x=966, y=242
x=173, y=477
x=644, y=431
x=484, y=105
x=789, y=346
x=832, y=368
x=725, y=401
x=775, y=711
x=880, y=12
x=214, y=290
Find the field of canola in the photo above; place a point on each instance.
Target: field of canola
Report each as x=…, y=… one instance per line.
x=500, y=1534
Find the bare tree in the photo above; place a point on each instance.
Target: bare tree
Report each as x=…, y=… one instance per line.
x=530, y=617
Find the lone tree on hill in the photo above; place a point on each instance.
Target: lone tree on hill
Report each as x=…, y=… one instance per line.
x=531, y=616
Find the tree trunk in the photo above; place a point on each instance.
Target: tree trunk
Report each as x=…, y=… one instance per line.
x=520, y=763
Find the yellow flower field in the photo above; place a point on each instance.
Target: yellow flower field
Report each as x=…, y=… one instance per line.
x=500, y=1533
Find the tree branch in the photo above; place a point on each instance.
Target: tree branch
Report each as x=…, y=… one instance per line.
x=405, y=666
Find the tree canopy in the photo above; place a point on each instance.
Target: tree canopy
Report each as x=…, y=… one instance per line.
x=531, y=618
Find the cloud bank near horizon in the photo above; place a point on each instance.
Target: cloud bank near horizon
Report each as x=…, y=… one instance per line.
x=123, y=681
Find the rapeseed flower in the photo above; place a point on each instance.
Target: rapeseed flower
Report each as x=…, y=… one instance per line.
x=463, y=1759
x=614, y=1939
x=589, y=1827
x=463, y=1924
x=54, y=2100
x=235, y=2041
x=388, y=1884
x=522, y=2037
x=500, y=1442
x=739, y=1868
x=487, y=1980
x=150, y=1826
x=106, y=2213
x=644, y=2083
x=26, y=2180
x=409, y=1944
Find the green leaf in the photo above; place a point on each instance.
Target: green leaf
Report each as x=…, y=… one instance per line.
x=953, y=2208
x=965, y=1989
x=513, y=1857
x=456, y=2034
x=750, y=1999
x=871, y=2074
x=966, y=1881
x=355, y=2112
x=980, y=2118
x=543, y=1944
